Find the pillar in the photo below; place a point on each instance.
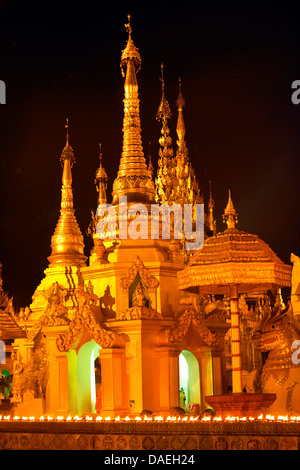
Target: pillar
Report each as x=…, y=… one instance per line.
x=206, y=374
x=236, y=360
x=168, y=358
x=112, y=370
x=57, y=393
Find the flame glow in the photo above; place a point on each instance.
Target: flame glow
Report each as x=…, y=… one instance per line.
x=156, y=419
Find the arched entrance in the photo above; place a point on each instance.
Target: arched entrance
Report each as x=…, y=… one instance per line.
x=86, y=377
x=189, y=378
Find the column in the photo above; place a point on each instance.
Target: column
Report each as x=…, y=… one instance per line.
x=168, y=358
x=57, y=393
x=113, y=371
x=236, y=360
x=206, y=375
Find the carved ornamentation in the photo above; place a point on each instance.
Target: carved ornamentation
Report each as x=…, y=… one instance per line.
x=138, y=267
x=56, y=313
x=190, y=315
x=140, y=313
x=85, y=316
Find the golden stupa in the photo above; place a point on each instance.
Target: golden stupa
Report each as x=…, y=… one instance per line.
x=133, y=327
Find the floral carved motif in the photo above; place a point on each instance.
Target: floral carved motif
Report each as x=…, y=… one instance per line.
x=56, y=313
x=190, y=315
x=138, y=267
x=140, y=313
x=85, y=316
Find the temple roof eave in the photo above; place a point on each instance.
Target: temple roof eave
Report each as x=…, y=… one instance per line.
x=216, y=278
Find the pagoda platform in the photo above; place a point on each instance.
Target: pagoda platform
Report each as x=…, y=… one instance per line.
x=208, y=434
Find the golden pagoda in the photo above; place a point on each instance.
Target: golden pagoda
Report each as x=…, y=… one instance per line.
x=132, y=327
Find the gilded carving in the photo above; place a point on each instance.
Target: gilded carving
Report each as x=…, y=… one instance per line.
x=190, y=315
x=56, y=313
x=140, y=313
x=138, y=267
x=85, y=316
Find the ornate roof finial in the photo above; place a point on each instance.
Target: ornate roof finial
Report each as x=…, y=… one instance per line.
x=164, y=111
x=67, y=131
x=67, y=152
x=180, y=128
x=211, y=206
x=180, y=102
x=101, y=180
x=130, y=53
x=230, y=214
x=150, y=166
x=128, y=26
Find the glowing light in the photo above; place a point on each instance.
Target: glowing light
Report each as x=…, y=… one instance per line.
x=217, y=418
x=158, y=418
x=270, y=417
x=194, y=418
x=206, y=418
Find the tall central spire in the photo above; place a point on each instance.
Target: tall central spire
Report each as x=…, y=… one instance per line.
x=133, y=180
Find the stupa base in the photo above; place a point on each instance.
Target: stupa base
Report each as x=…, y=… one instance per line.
x=241, y=404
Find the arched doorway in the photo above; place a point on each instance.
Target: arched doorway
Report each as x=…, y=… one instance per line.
x=86, y=377
x=189, y=378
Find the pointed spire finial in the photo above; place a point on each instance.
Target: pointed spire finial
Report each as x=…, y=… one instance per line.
x=211, y=205
x=128, y=26
x=67, y=152
x=67, y=131
x=180, y=127
x=101, y=180
x=164, y=110
x=150, y=166
x=230, y=214
x=180, y=102
x=131, y=53
x=100, y=153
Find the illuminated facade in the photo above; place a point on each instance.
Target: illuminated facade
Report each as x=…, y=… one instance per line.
x=114, y=334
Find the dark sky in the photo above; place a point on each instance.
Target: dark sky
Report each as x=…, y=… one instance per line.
x=237, y=61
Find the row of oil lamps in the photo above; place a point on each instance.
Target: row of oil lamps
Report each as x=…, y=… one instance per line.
x=279, y=418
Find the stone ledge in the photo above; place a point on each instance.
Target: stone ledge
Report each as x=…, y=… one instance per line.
x=149, y=436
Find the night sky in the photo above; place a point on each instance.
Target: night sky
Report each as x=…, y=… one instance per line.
x=237, y=61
